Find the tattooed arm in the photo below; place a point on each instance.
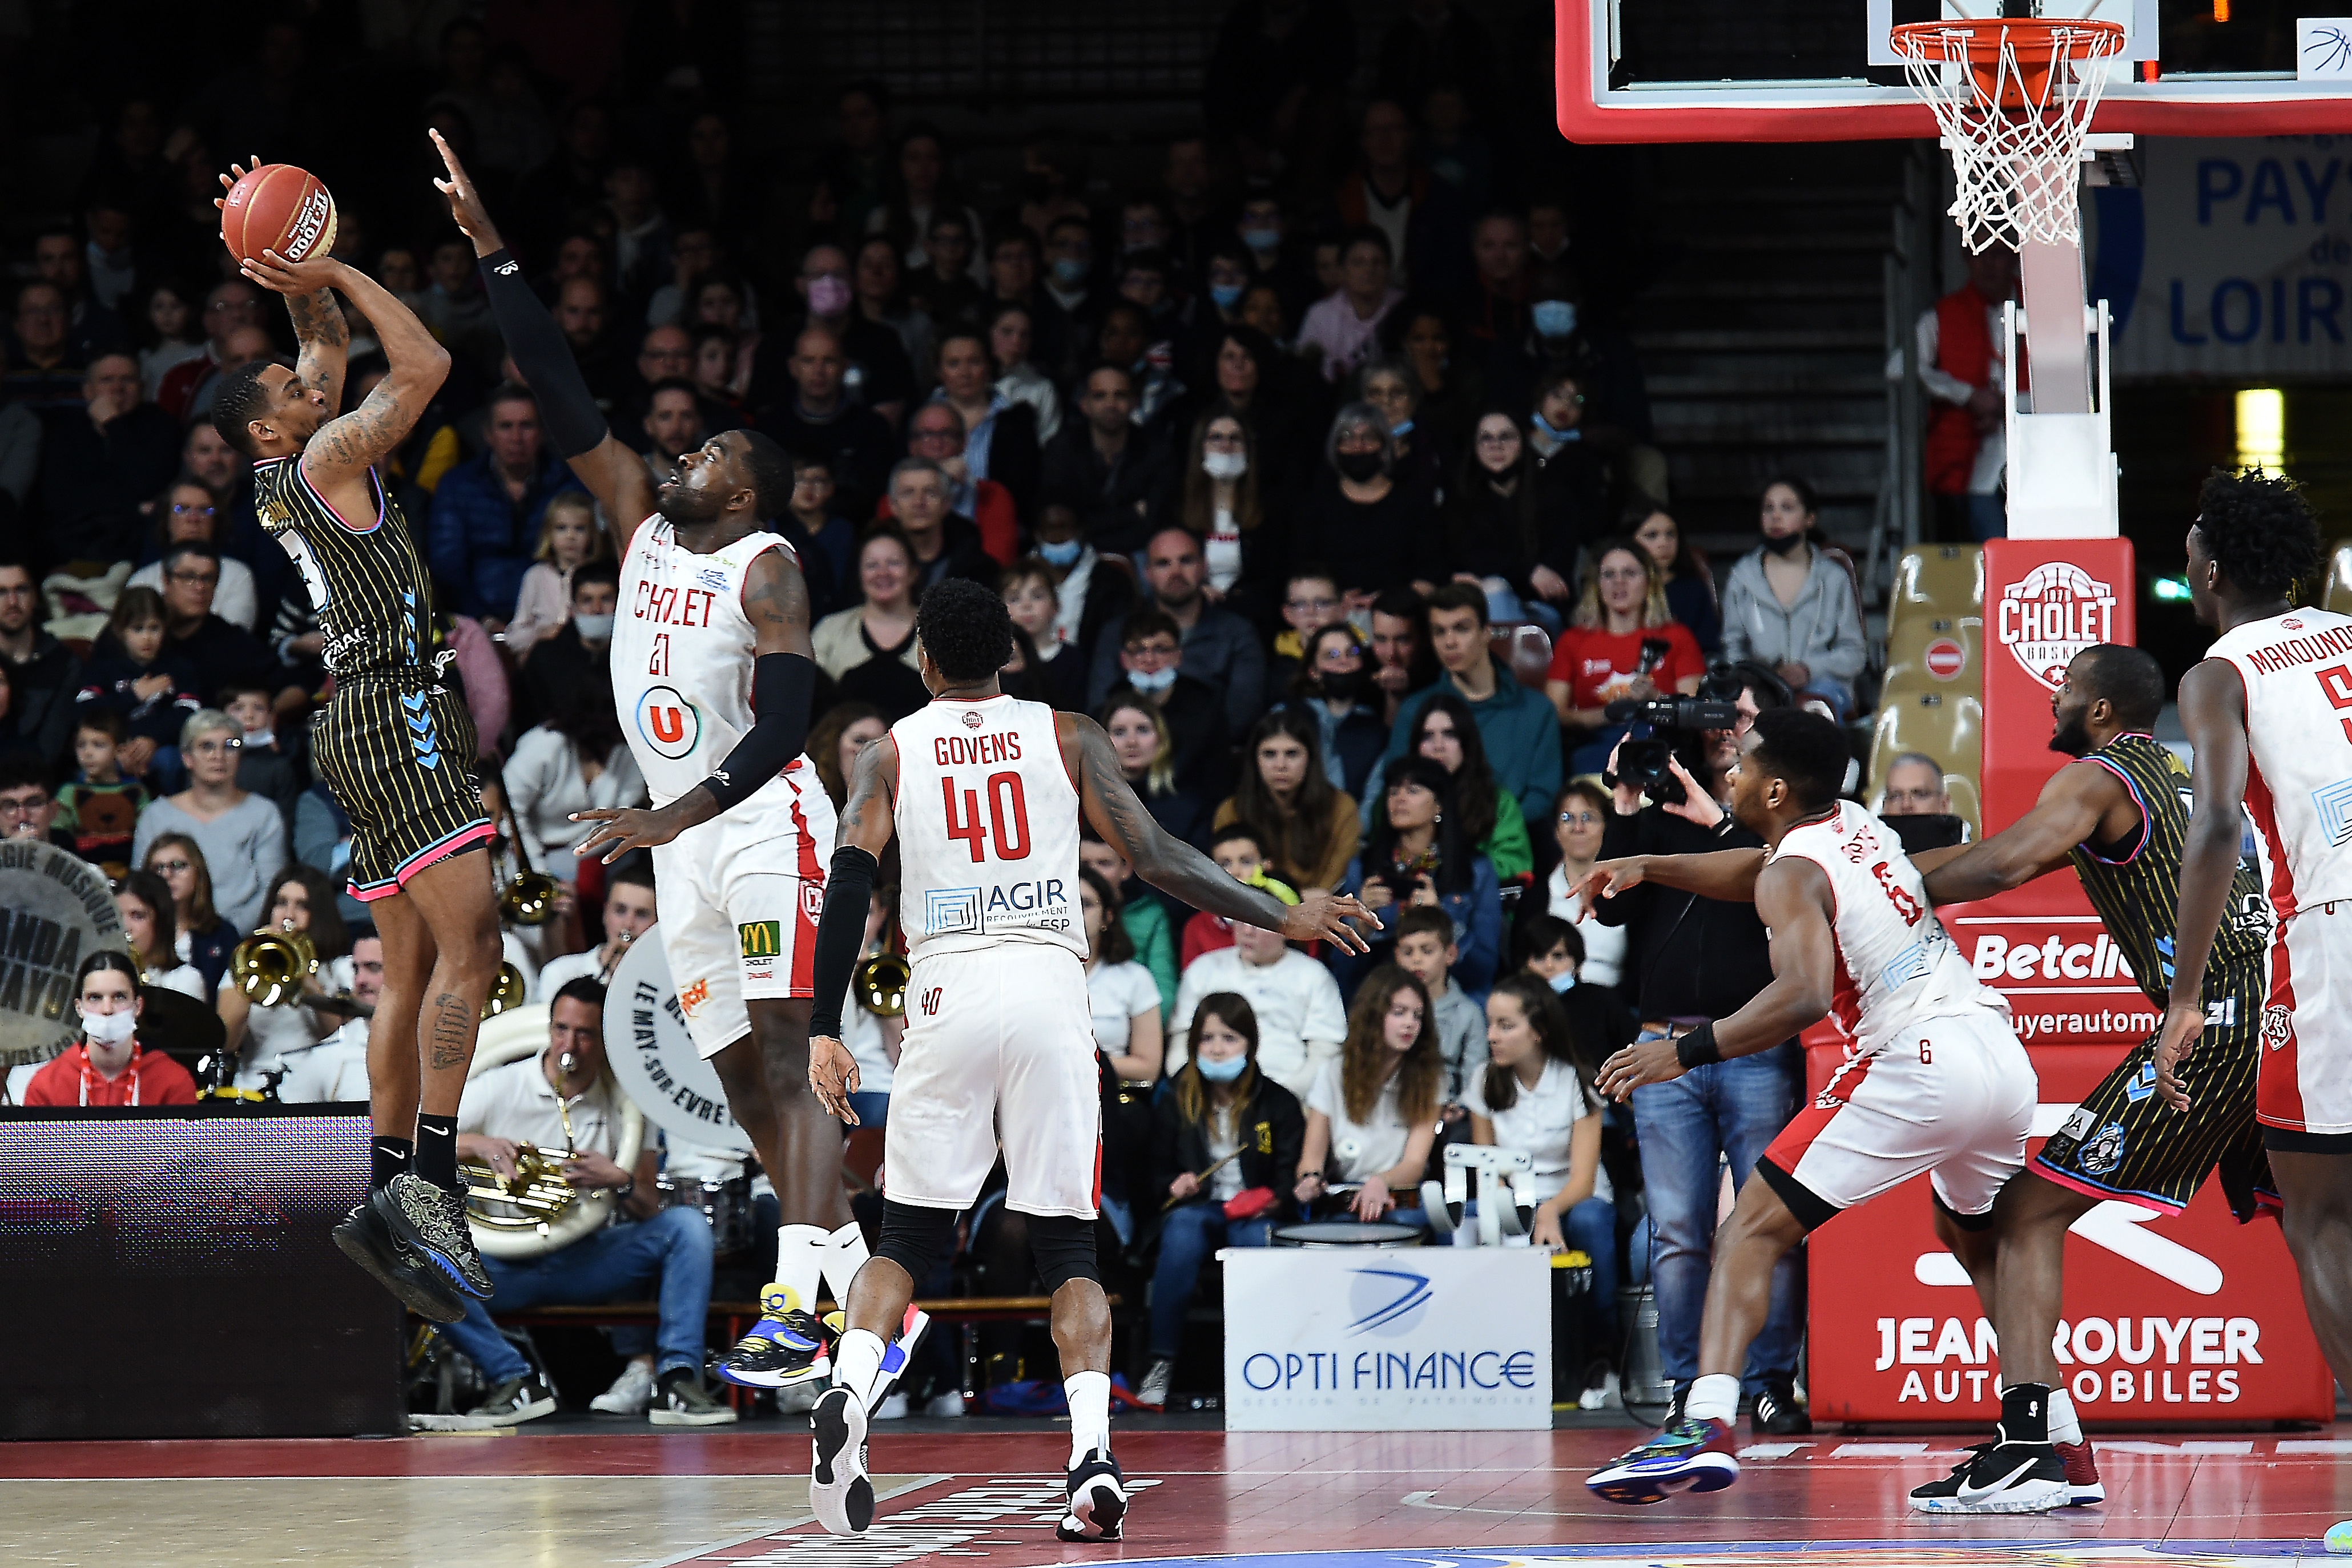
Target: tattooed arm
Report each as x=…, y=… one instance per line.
x=783, y=687
x=325, y=338
x=343, y=450
x=1173, y=866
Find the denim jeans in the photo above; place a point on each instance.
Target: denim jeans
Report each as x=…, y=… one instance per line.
x=1725, y=1109
x=1590, y=1227
x=670, y=1251
x=1191, y=1232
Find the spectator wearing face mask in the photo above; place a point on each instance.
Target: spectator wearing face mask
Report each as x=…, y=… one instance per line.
x=1333, y=686
x=1151, y=661
x=1372, y=529
x=578, y=650
x=1224, y=509
x=107, y=1066
x=1220, y=649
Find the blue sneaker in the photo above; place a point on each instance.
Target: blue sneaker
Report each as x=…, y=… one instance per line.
x=430, y=1221
x=786, y=1347
x=899, y=1354
x=1689, y=1456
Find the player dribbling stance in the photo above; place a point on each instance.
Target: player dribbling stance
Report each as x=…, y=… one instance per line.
x=983, y=794
x=1934, y=1081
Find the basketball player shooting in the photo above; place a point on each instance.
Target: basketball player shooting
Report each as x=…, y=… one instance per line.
x=396, y=746
x=1935, y=1082
x=983, y=792
x=2267, y=712
x=713, y=675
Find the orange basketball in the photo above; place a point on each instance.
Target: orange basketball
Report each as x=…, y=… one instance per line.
x=278, y=207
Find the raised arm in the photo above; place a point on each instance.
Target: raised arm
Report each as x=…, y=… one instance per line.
x=1173, y=866
x=2213, y=711
x=319, y=325
x=613, y=474
x=1725, y=874
x=343, y=449
x=2080, y=801
x=1793, y=899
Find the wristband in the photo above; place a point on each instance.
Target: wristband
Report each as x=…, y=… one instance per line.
x=1697, y=1048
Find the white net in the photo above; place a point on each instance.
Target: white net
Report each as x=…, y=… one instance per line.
x=2014, y=101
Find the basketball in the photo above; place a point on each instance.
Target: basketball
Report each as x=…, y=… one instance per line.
x=278, y=207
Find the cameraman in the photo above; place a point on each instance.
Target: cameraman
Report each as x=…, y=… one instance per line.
x=1689, y=958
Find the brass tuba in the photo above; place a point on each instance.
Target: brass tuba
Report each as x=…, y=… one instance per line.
x=507, y=992
x=879, y=981
x=539, y=1211
x=529, y=898
x=271, y=966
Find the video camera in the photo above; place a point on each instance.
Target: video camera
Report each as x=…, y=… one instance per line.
x=1645, y=763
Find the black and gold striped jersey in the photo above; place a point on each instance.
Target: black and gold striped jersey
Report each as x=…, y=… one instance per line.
x=367, y=581
x=2136, y=885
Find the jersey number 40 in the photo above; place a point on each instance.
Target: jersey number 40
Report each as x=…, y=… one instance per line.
x=1006, y=819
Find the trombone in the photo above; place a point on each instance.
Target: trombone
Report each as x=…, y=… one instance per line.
x=879, y=981
x=529, y=898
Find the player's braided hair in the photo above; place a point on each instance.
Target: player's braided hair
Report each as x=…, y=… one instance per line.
x=965, y=628
x=2260, y=531
x=239, y=400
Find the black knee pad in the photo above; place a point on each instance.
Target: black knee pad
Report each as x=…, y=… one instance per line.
x=1065, y=1247
x=915, y=1237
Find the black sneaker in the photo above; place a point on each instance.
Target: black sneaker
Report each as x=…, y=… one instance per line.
x=2000, y=1477
x=368, y=1242
x=518, y=1399
x=1777, y=1414
x=682, y=1401
x=839, y=1494
x=430, y=1221
x=1097, y=1494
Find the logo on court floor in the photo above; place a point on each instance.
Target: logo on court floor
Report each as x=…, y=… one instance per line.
x=2054, y=612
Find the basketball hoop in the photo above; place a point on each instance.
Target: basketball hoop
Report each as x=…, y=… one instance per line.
x=2014, y=97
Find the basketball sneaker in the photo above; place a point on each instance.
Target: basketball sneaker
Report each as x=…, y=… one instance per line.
x=368, y=1242
x=896, y=1355
x=786, y=1347
x=1998, y=1478
x=1689, y=1456
x=840, y=1495
x=2083, y=1483
x=430, y=1221
x=1097, y=1494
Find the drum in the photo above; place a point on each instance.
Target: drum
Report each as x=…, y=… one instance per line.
x=55, y=911
x=1345, y=1233
x=726, y=1205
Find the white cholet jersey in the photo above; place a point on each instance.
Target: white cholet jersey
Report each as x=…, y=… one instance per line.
x=2297, y=670
x=1896, y=965
x=682, y=653
x=987, y=817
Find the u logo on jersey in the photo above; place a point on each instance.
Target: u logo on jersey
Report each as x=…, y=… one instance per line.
x=670, y=725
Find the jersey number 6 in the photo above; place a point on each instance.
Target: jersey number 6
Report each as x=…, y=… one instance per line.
x=1007, y=815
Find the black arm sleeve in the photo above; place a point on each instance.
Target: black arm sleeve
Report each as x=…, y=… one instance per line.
x=566, y=408
x=784, y=689
x=840, y=933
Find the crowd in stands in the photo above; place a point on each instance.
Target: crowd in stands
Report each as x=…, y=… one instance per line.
x=1325, y=483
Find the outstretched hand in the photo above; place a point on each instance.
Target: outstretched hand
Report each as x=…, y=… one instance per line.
x=635, y=828
x=1326, y=917
x=465, y=202
x=1607, y=879
x=2182, y=1025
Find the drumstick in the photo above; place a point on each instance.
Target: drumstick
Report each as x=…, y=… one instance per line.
x=1202, y=1177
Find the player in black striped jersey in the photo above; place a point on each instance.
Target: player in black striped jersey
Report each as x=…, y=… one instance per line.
x=395, y=746
x=2119, y=815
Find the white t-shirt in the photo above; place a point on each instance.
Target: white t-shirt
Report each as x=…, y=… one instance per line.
x=1116, y=993
x=182, y=978
x=1604, y=945
x=1359, y=1149
x=334, y=1069
x=1542, y=1121
x=518, y=1102
x=1221, y=553
x=271, y=1032
x=1300, y=1022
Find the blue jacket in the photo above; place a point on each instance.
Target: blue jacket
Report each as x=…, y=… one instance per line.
x=480, y=542
x=1522, y=735
x=1477, y=914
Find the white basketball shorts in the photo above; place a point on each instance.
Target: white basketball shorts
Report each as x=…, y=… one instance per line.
x=739, y=898
x=1000, y=1048
x=1951, y=1096
x=2303, y=1097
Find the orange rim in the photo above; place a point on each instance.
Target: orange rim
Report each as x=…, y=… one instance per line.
x=2036, y=43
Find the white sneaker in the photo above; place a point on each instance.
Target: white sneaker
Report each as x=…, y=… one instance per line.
x=894, y=1409
x=839, y=1493
x=631, y=1395
x=950, y=1404
x=1601, y=1395
x=1157, y=1380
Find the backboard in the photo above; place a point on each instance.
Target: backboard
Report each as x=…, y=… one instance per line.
x=1824, y=70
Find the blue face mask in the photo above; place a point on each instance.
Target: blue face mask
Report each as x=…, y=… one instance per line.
x=1066, y=553
x=1069, y=274
x=1226, y=295
x=1401, y=430
x=1546, y=428
x=1262, y=239
x=1553, y=318
x=1153, y=682
x=1564, y=981
x=1222, y=1069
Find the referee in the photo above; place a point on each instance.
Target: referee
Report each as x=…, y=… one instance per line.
x=395, y=744
x=2119, y=815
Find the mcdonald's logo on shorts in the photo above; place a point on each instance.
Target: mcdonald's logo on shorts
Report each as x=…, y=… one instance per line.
x=762, y=938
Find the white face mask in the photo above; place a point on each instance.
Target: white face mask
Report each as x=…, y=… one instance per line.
x=1225, y=465
x=109, y=1029
x=593, y=628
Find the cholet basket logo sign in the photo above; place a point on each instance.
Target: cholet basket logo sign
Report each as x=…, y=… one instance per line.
x=2053, y=613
